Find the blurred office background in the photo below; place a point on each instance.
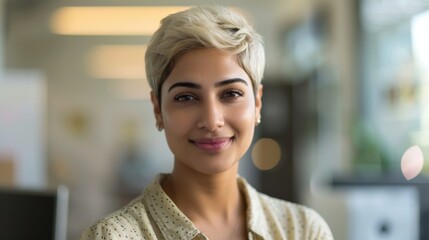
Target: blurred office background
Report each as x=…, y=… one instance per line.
x=346, y=95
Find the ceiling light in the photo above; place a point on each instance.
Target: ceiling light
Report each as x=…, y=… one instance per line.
x=117, y=62
x=109, y=20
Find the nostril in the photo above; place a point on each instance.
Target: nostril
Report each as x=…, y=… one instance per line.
x=210, y=125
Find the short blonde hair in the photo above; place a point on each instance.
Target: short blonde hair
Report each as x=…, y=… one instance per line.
x=203, y=27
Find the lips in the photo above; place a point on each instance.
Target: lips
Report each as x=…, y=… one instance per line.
x=212, y=145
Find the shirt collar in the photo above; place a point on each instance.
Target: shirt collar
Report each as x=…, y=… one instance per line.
x=173, y=224
x=256, y=221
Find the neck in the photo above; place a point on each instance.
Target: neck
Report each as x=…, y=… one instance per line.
x=207, y=197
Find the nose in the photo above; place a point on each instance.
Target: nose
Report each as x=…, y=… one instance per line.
x=211, y=116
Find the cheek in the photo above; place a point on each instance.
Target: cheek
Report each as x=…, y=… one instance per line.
x=176, y=127
x=176, y=121
x=244, y=115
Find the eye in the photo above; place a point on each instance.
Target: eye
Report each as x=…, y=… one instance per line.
x=232, y=94
x=186, y=97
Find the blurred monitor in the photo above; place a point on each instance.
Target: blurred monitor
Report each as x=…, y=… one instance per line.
x=384, y=213
x=33, y=214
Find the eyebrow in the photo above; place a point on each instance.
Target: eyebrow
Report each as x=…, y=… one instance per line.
x=230, y=81
x=197, y=86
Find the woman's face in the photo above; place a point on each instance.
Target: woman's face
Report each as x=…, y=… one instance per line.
x=208, y=110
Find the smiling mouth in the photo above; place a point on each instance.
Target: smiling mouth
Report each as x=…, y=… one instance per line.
x=212, y=145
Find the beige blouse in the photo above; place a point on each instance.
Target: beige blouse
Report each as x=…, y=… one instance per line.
x=154, y=215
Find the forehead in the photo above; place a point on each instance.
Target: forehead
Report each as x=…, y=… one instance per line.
x=206, y=66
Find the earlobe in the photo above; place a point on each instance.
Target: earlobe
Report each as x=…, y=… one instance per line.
x=157, y=110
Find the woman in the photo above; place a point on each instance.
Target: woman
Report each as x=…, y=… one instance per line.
x=205, y=66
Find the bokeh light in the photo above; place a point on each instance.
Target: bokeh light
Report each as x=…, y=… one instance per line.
x=412, y=162
x=266, y=153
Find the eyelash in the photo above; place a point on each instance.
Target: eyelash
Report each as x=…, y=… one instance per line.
x=233, y=93
x=228, y=94
x=180, y=97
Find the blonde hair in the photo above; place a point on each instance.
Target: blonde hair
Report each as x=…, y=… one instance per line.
x=203, y=27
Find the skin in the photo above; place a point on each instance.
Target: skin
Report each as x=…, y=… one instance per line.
x=209, y=111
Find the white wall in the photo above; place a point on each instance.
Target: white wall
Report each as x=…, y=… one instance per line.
x=22, y=131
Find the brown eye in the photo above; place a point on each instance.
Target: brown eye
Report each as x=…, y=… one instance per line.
x=184, y=98
x=232, y=94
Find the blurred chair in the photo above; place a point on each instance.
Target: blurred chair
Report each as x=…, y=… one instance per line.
x=33, y=214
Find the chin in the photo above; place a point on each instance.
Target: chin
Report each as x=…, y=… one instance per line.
x=216, y=168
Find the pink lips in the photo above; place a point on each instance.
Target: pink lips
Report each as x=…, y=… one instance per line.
x=212, y=144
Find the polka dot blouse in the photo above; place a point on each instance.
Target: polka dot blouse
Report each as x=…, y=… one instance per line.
x=154, y=215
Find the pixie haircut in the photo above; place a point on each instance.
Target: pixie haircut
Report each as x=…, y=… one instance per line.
x=203, y=27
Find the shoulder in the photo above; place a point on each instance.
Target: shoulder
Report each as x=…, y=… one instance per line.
x=286, y=208
x=130, y=222
x=297, y=219
x=273, y=218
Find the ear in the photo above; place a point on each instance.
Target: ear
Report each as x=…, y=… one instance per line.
x=258, y=102
x=156, y=110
